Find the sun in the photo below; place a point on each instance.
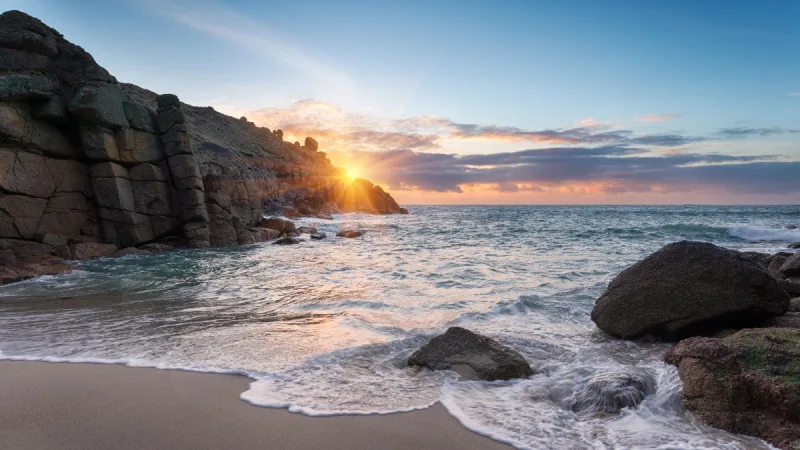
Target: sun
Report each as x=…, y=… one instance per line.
x=352, y=174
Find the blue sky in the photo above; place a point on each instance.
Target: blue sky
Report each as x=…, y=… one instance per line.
x=689, y=68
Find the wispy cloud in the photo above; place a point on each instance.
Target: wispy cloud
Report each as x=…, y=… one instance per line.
x=413, y=154
x=657, y=117
x=794, y=94
x=743, y=132
x=215, y=19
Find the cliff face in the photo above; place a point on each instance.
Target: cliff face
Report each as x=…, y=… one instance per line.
x=85, y=159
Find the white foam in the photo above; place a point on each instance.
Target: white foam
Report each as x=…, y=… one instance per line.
x=765, y=234
x=124, y=362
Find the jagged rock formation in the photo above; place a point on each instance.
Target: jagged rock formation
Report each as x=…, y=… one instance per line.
x=85, y=159
x=747, y=383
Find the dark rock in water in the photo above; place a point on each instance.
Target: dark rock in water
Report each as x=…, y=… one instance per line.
x=278, y=224
x=287, y=241
x=459, y=348
x=795, y=245
x=788, y=320
x=349, y=233
x=775, y=263
x=791, y=287
x=306, y=230
x=746, y=383
x=791, y=227
x=32, y=267
x=791, y=266
x=688, y=288
x=318, y=236
x=157, y=247
x=608, y=393
x=128, y=251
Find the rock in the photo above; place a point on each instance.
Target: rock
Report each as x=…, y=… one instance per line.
x=306, y=230
x=139, y=117
x=99, y=104
x=688, y=288
x=788, y=320
x=745, y=383
x=138, y=146
x=790, y=286
x=349, y=234
x=794, y=305
x=91, y=250
x=311, y=144
x=157, y=247
x=26, y=87
x=774, y=264
x=795, y=245
x=791, y=266
x=791, y=227
x=32, y=267
x=318, y=236
x=608, y=393
x=165, y=101
x=461, y=349
x=287, y=241
x=278, y=224
x=128, y=251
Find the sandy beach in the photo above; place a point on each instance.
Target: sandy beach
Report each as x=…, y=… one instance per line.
x=92, y=406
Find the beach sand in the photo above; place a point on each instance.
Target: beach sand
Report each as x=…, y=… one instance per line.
x=93, y=406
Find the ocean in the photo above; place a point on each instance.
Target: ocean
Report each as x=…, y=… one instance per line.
x=325, y=327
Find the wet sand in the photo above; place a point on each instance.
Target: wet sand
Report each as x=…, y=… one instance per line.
x=92, y=406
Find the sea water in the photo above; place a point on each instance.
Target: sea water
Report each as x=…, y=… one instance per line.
x=325, y=327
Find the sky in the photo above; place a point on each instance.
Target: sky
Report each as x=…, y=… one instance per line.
x=468, y=102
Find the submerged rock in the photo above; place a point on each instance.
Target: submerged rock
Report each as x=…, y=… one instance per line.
x=746, y=383
x=287, y=241
x=608, y=393
x=349, y=233
x=131, y=251
x=318, y=236
x=32, y=267
x=459, y=349
x=688, y=288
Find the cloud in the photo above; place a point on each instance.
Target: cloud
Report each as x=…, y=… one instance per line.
x=743, y=132
x=794, y=94
x=215, y=19
x=617, y=168
x=411, y=154
x=657, y=117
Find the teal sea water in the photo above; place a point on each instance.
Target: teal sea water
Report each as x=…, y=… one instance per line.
x=325, y=327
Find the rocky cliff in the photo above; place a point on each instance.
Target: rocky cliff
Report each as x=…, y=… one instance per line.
x=85, y=159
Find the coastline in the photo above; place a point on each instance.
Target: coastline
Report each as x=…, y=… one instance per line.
x=66, y=406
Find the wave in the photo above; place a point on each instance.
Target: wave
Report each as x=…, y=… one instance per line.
x=746, y=232
x=765, y=234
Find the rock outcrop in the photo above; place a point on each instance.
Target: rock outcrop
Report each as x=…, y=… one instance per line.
x=746, y=383
x=609, y=393
x=689, y=288
x=87, y=160
x=471, y=355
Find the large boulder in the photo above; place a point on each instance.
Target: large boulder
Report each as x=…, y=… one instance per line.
x=688, y=288
x=746, y=383
x=609, y=393
x=471, y=354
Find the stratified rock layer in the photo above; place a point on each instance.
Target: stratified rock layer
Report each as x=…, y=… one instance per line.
x=746, y=383
x=85, y=159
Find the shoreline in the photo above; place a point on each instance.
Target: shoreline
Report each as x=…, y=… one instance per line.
x=81, y=405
